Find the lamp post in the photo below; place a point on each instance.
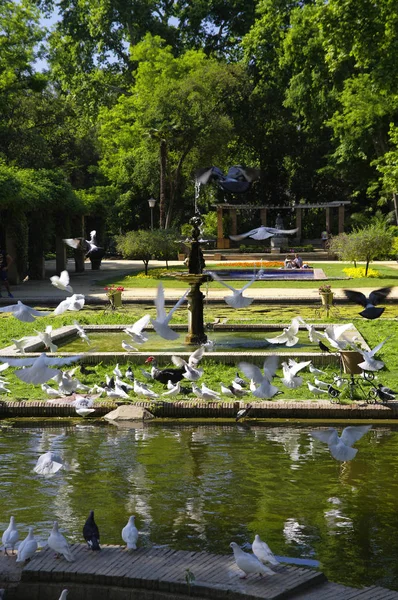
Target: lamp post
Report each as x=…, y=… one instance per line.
x=152, y=203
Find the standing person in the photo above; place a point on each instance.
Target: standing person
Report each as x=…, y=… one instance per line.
x=5, y=262
x=325, y=238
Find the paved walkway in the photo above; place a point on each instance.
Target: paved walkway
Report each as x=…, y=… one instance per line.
x=90, y=283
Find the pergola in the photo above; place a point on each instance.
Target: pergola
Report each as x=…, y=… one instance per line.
x=223, y=242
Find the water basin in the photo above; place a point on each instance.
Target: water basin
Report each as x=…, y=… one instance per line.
x=266, y=274
x=197, y=487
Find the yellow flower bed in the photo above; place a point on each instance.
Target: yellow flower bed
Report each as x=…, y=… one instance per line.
x=358, y=272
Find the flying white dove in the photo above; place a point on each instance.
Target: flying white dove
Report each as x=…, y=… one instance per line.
x=45, y=337
x=370, y=363
x=59, y=544
x=248, y=563
x=36, y=369
x=192, y=373
x=135, y=331
x=340, y=447
x=334, y=335
x=161, y=323
x=262, y=233
x=289, y=335
x=27, y=548
x=10, y=536
x=48, y=464
x=313, y=335
x=81, y=333
x=24, y=313
x=130, y=534
x=237, y=300
x=62, y=282
x=75, y=302
x=265, y=389
x=263, y=552
x=290, y=371
x=91, y=244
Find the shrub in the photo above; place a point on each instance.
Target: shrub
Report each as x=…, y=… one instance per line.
x=357, y=272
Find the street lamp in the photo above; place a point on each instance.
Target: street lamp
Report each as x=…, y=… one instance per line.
x=152, y=203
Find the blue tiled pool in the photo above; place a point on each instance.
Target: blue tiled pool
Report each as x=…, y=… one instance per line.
x=265, y=274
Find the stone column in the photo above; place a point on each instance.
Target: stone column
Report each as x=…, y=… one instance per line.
x=263, y=216
x=341, y=218
x=196, y=330
x=220, y=229
x=298, y=222
x=60, y=255
x=234, y=221
x=12, y=250
x=79, y=252
x=328, y=219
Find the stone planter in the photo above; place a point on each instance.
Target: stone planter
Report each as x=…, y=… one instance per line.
x=116, y=300
x=326, y=298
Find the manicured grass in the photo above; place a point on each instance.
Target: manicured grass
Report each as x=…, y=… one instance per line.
x=388, y=277
x=373, y=331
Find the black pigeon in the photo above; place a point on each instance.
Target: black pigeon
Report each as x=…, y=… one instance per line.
x=323, y=347
x=85, y=371
x=129, y=374
x=386, y=389
x=238, y=180
x=383, y=395
x=238, y=379
x=332, y=391
x=91, y=532
x=369, y=304
x=243, y=412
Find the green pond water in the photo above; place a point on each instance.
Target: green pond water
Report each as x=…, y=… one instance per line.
x=244, y=341
x=200, y=486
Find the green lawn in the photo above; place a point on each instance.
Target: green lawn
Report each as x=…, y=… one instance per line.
x=388, y=277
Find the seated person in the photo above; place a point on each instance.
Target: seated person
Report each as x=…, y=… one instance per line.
x=297, y=262
x=288, y=263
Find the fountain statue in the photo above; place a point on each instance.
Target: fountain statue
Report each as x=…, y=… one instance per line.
x=196, y=263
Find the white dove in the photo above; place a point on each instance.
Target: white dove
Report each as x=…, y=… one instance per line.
x=315, y=390
x=225, y=390
x=265, y=389
x=75, y=302
x=316, y=371
x=10, y=536
x=62, y=282
x=262, y=233
x=37, y=369
x=142, y=390
x=340, y=447
x=248, y=563
x=4, y=367
x=81, y=333
x=237, y=300
x=130, y=534
x=27, y=548
x=59, y=544
x=191, y=371
x=135, y=331
x=128, y=347
x=313, y=335
x=45, y=337
x=48, y=464
x=24, y=313
x=208, y=394
x=263, y=552
x=370, y=363
x=22, y=343
x=321, y=384
x=117, y=371
x=3, y=388
x=290, y=371
x=174, y=390
x=289, y=335
x=334, y=333
x=161, y=323
x=63, y=595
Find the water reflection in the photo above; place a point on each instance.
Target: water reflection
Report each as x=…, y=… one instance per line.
x=197, y=487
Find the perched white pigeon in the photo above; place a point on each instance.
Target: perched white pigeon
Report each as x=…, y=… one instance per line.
x=135, y=331
x=130, y=534
x=22, y=343
x=117, y=371
x=237, y=300
x=45, y=337
x=128, y=347
x=262, y=233
x=192, y=373
x=27, y=548
x=248, y=563
x=3, y=388
x=59, y=544
x=4, y=367
x=81, y=333
x=316, y=390
x=263, y=552
x=208, y=394
x=10, y=536
x=174, y=390
x=62, y=282
x=161, y=323
x=370, y=363
x=316, y=371
x=225, y=390
x=24, y=313
x=84, y=412
x=265, y=389
x=36, y=369
x=143, y=390
x=289, y=335
x=48, y=464
x=75, y=302
x=340, y=447
x=321, y=384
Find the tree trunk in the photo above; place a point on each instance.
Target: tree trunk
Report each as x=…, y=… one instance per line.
x=146, y=266
x=366, y=268
x=175, y=185
x=162, y=194
x=395, y=200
